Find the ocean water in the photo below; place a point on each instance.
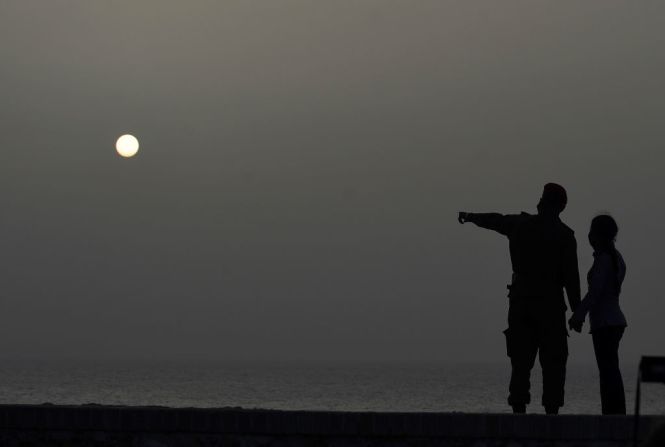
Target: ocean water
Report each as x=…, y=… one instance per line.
x=361, y=387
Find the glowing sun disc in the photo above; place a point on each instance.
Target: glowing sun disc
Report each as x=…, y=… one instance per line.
x=127, y=145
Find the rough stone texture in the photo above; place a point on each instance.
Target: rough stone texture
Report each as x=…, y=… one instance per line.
x=94, y=425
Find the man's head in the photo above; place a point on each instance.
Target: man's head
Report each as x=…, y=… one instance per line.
x=553, y=200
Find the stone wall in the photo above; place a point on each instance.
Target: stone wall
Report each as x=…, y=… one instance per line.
x=94, y=425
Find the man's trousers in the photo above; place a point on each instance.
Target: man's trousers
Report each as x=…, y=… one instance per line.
x=537, y=329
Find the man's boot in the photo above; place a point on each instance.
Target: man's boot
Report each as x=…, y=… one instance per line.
x=551, y=410
x=519, y=408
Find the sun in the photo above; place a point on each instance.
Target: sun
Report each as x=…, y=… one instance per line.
x=127, y=145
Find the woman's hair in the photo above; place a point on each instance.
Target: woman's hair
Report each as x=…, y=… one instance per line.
x=605, y=227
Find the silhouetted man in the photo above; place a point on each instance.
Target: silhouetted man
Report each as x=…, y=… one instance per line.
x=543, y=252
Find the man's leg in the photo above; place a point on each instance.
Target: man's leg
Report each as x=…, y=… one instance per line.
x=522, y=349
x=553, y=357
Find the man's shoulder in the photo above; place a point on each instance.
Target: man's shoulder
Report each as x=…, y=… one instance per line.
x=566, y=230
x=520, y=220
x=534, y=220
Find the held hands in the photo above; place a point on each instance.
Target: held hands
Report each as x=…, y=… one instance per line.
x=575, y=323
x=461, y=217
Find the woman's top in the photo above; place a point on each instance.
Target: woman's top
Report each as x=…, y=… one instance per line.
x=602, y=299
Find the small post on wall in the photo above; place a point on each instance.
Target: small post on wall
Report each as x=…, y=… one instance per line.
x=651, y=369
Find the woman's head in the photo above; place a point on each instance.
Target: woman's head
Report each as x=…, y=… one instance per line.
x=603, y=231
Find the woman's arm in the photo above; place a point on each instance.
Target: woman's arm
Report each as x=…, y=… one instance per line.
x=600, y=274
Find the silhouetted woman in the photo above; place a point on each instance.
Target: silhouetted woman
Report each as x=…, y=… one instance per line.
x=605, y=316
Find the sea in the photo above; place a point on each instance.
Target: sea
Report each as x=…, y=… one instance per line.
x=463, y=387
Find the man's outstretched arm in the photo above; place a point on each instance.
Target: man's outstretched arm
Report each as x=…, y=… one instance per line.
x=492, y=221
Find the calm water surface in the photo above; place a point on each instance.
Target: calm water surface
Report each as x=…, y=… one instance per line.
x=385, y=387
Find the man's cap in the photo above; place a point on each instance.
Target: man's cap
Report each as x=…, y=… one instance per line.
x=555, y=195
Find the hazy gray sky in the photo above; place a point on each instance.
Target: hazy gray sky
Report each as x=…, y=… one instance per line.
x=301, y=166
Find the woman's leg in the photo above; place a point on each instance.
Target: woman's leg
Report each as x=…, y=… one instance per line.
x=606, y=346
